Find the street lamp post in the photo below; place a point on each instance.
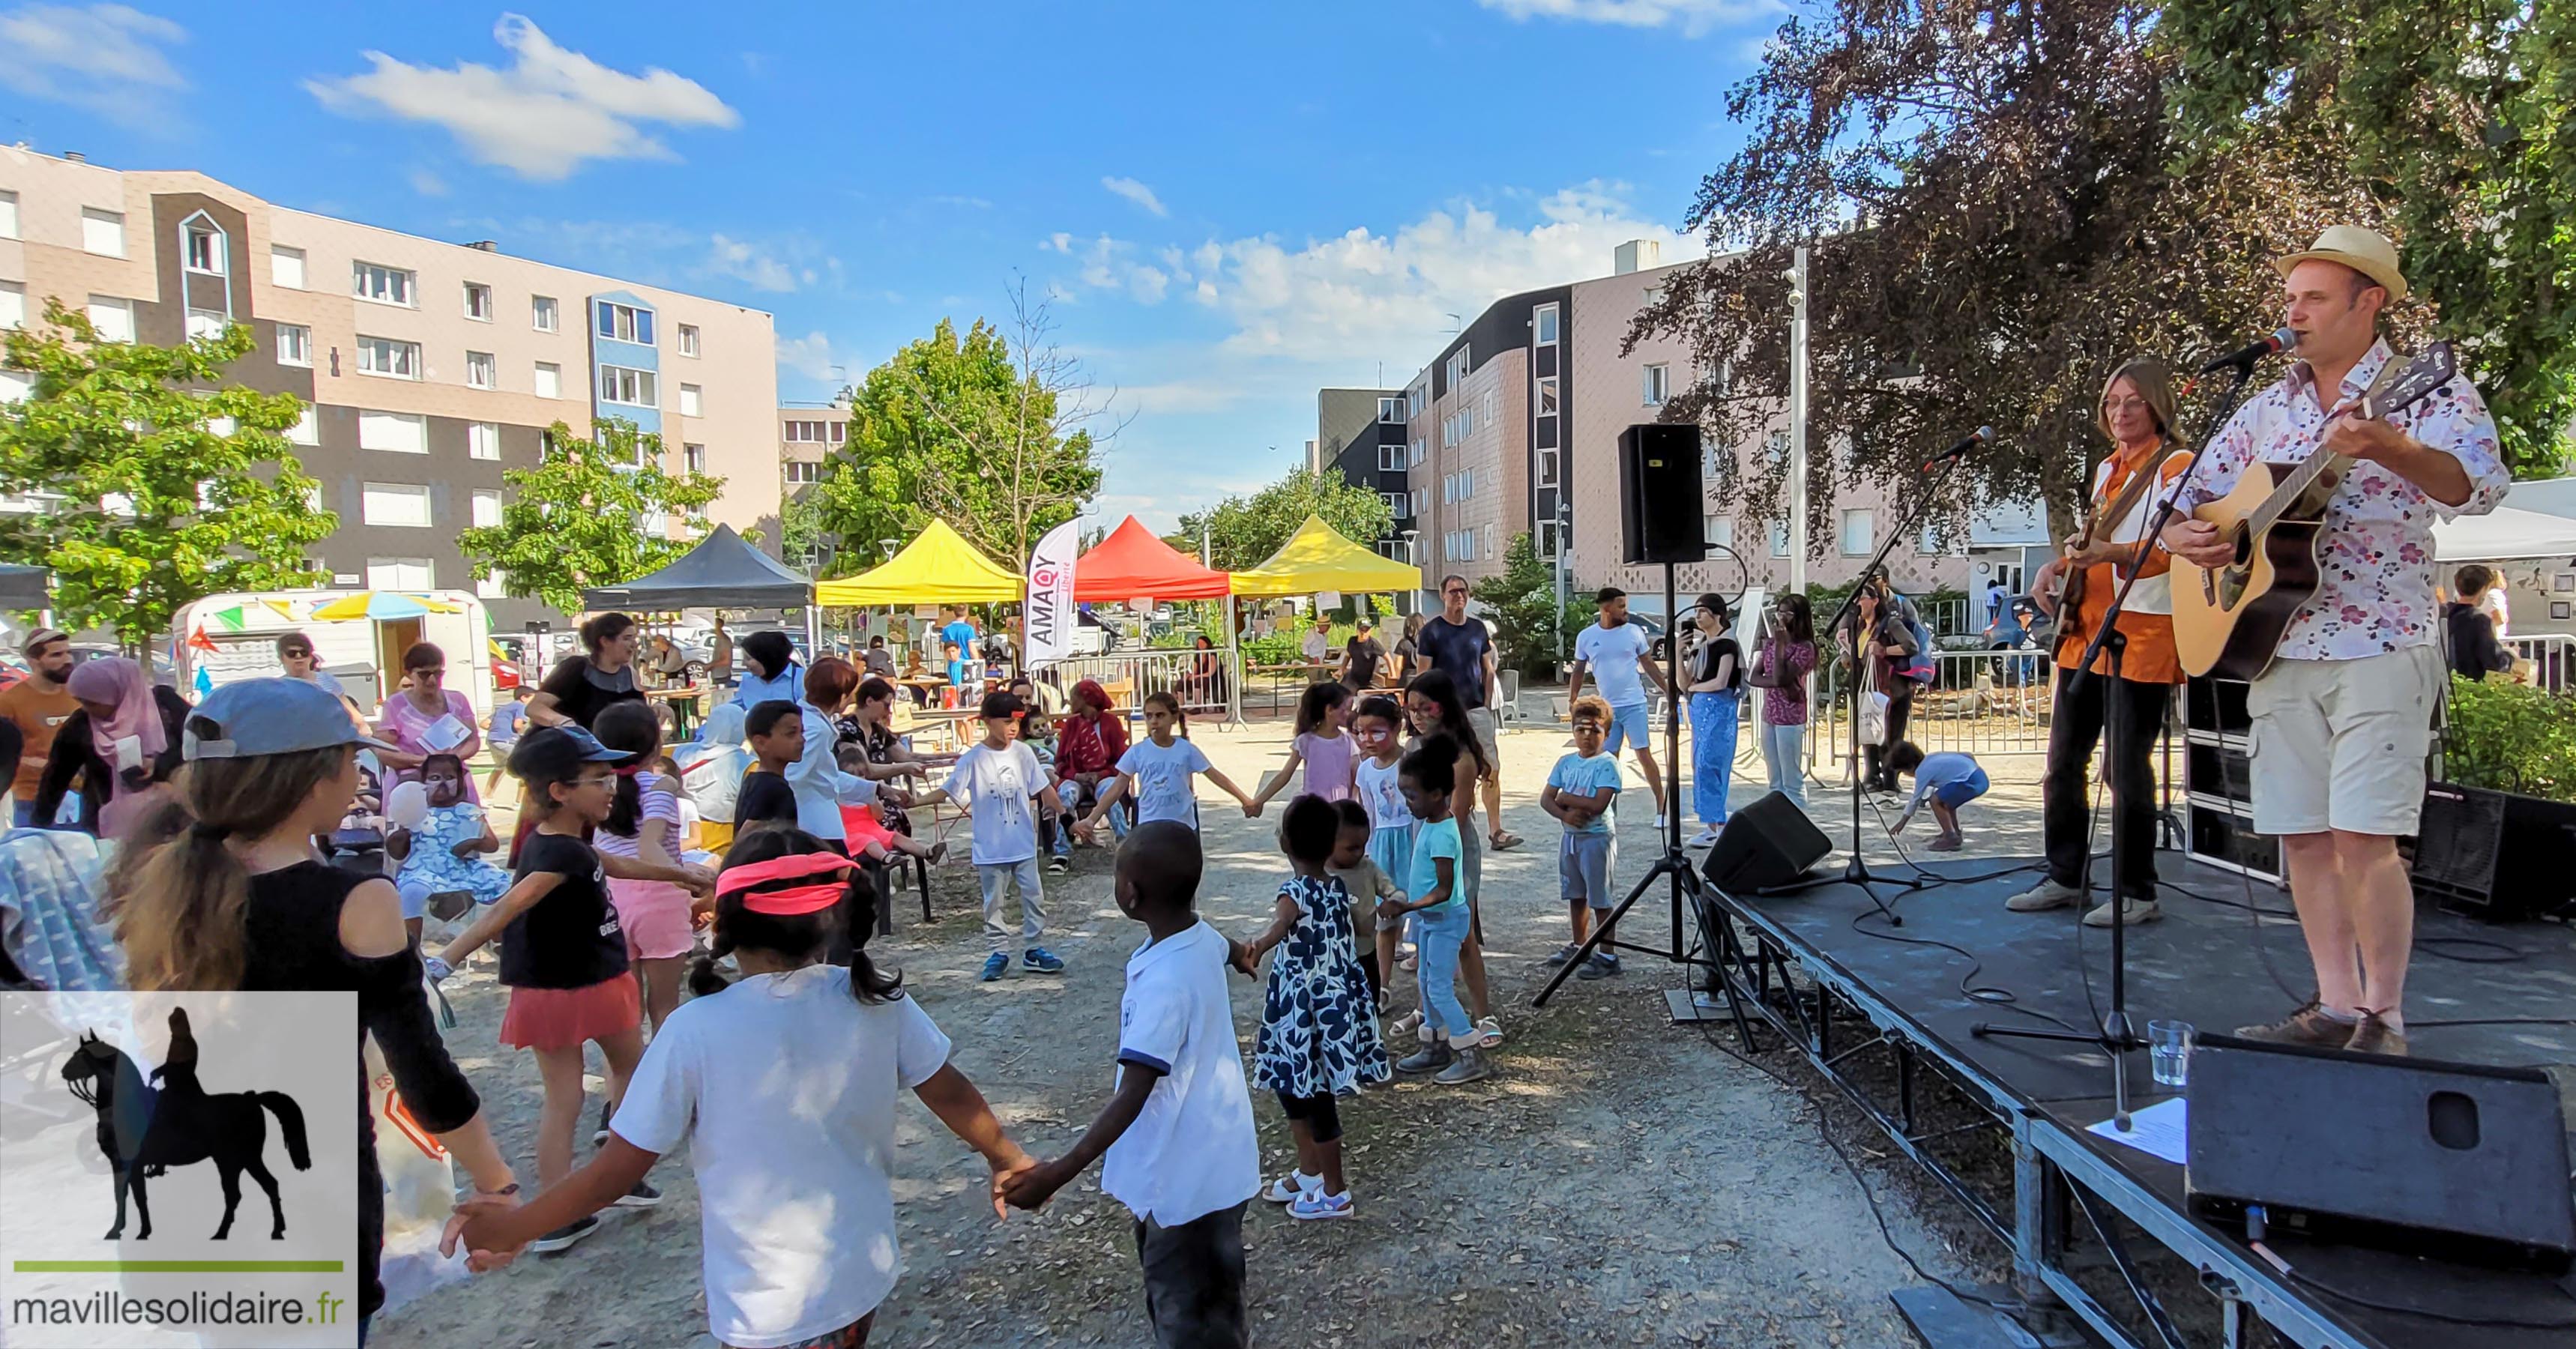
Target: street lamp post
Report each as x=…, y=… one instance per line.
x=1564, y=551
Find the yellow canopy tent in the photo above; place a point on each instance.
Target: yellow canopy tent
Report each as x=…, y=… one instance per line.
x=1316, y=558
x=937, y=567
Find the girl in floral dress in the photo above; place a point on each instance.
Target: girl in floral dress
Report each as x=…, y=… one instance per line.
x=1318, y=1036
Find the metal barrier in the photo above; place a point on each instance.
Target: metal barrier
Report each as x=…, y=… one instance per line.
x=2549, y=654
x=1984, y=703
x=1200, y=679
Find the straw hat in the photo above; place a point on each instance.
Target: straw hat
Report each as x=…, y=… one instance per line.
x=2365, y=251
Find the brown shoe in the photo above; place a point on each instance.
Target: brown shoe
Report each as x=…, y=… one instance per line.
x=2307, y=1026
x=2375, y=1036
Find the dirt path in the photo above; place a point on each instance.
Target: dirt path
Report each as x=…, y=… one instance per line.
x=1617, y=1181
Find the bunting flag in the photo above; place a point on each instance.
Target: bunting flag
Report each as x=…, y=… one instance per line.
x=204, y=682
x=199, y=641
x=231, y=618
x=285, y=608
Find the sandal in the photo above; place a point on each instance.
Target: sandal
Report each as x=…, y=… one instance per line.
x=938, y=852
x=1505, y=841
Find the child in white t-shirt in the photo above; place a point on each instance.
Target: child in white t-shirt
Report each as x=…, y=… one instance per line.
x=1182, y=1154
x=999, y=778
x=785, y=1086
x=1160, y=771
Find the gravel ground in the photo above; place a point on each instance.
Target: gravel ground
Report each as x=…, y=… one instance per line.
x=1618, y=1180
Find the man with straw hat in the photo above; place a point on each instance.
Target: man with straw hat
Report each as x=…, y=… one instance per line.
x=2343, y=718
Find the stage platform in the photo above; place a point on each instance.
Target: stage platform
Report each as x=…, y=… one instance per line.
x=1891, y=1020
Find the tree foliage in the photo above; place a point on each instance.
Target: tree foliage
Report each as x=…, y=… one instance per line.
x=988, y=430
x=149, y=502
x=1242, y=532
x=1518, y=601
x=1996, y=221
x=576, y=520
x=2460, y=117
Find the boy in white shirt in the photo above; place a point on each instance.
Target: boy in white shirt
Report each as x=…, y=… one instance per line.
x=1000, y=780
x=1178, y=1133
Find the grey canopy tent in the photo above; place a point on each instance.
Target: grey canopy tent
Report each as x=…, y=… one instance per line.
x=722, y=572
x=23, y=587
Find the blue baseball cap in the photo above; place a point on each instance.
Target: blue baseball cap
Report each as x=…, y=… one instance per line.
x=251, y=718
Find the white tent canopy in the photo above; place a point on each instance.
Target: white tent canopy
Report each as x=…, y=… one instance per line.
x=2505, y=535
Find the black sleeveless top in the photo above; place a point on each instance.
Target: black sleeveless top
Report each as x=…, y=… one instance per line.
x=293, y=927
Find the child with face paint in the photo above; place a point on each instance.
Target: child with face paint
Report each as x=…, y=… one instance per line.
x=443, y=854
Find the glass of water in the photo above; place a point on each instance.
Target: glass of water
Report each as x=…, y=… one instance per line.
x=2169, y=1051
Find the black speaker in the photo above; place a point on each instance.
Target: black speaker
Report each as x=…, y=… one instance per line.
x=1659, y=506
x=2494, y=855
x=2456, y=1160
x=1770, y=842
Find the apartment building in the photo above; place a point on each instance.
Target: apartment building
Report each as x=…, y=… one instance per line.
x=808, y=433
x=431, y=366
x=1514, y=428
x=1362, y=434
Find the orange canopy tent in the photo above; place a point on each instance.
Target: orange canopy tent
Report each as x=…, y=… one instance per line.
x=1133, y=564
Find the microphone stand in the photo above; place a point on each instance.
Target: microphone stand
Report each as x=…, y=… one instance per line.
x=1856, y=871
x=2118, y=1036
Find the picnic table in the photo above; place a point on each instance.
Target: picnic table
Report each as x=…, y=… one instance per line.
x=686, y=704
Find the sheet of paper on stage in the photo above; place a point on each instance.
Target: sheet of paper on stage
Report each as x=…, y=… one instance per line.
x=2160, y=1130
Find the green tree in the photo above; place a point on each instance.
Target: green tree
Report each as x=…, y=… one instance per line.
x=1519, y=600
x=575, y=520
x=2460, y=118
x=1243, y=532
x=149, y=502
x=989, y=430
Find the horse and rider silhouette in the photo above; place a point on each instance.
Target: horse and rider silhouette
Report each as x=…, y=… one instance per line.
x=145, y=1130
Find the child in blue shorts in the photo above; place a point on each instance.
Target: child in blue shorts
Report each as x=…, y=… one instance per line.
x=1580, y=792
x=1946, y=781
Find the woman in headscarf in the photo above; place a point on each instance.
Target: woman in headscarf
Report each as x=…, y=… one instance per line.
x=1087, y=746
x=118, y=705
x=770, y=672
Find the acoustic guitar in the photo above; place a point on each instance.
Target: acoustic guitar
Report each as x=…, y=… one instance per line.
x=2066, y=596
x=2228, y=620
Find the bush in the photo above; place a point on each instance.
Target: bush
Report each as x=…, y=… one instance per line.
x=2511, y=738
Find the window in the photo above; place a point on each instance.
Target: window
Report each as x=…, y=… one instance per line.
x=541, y=313
x=399, y=432
x=1543, y=325
x=1928, y=543
x=1390, y=458
x=8, y=215
x=394, y=505
x=1489, y=540
x=1654, y=296
x=286, y=267
x=401, y=573
x=1658, y=385
x=482, y=440
x=389, y=357
x=635, y=388
x=487, y=507
x=205, y=250
x=478, y=302
x=1547, y=468
x=808, y=433
x=1547, y=397
x=1413, y=400
x=1390, y=409
x=688, y=339
x=1779, y=538
x=488, y=586
x=1777, y=447
x=689, y=395
x=1394, y=502
x=802, y=471
x=294, y=344
x=1421, y=500
x=307, y=430
x=15, y=385
x=1721, y=530
x=112, y=318
x=383, y=285
x=204, y=323
x=1458, y=367
x=549, y=380
x=1421, y=448
x=626, y=323
x=103, y=232
x=693, y=458
x=222, y=426
x=482, y=371
x=1857, y=529
x=13, y=305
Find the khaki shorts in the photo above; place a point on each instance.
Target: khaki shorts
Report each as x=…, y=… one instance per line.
x=1481, y=721
x=2340, y=744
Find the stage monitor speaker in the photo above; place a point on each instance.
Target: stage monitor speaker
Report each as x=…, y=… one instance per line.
x=2459, y=1161
x=1660, y=519
x=1770, y=842
x=2494, y=855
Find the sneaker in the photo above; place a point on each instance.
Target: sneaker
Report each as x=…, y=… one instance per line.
x=2048, y=894
x=1433, y=1057
x=2373, y=1035
x=566, y=1235
x=1706, y=838
x=2310, y=1025
x=1059, y=864
x=994, y=966
x=1315, y=1204
x=1563, y=954
x=1042, y=960
x=600, y=1134
x=1470, y=1067
x=1286, y=1189
x=2133, y=910
x=1598, y=967
x=642, y=1196
x=1489, y=1030
x=1946, y=843
x=1409, y=964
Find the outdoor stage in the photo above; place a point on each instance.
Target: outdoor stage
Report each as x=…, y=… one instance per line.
x=2002, y=1122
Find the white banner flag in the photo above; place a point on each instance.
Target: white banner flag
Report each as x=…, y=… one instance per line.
x=1050, y=609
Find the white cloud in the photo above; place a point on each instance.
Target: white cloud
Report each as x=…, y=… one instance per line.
x=1693, y=17
x=810, y=355
x=428, y=184
x=753, y=265
x=1138, y=193
x=106, y=58
x=542, y=117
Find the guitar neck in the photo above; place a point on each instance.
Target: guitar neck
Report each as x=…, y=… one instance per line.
x=2320, y=466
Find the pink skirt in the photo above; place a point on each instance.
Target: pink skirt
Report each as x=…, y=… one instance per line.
x=864, y=828
x=655, y=915
x=568, y=1018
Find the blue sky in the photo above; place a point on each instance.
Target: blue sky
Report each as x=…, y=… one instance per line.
x=1232, y=205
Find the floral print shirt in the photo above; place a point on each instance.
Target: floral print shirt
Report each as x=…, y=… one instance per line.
x=2376, y=554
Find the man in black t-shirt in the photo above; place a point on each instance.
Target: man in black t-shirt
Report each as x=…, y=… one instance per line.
x=1361, y=657
x=1463, y=649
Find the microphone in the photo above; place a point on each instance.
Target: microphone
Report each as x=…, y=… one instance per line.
x=2281, y=339
x=1959, y=447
